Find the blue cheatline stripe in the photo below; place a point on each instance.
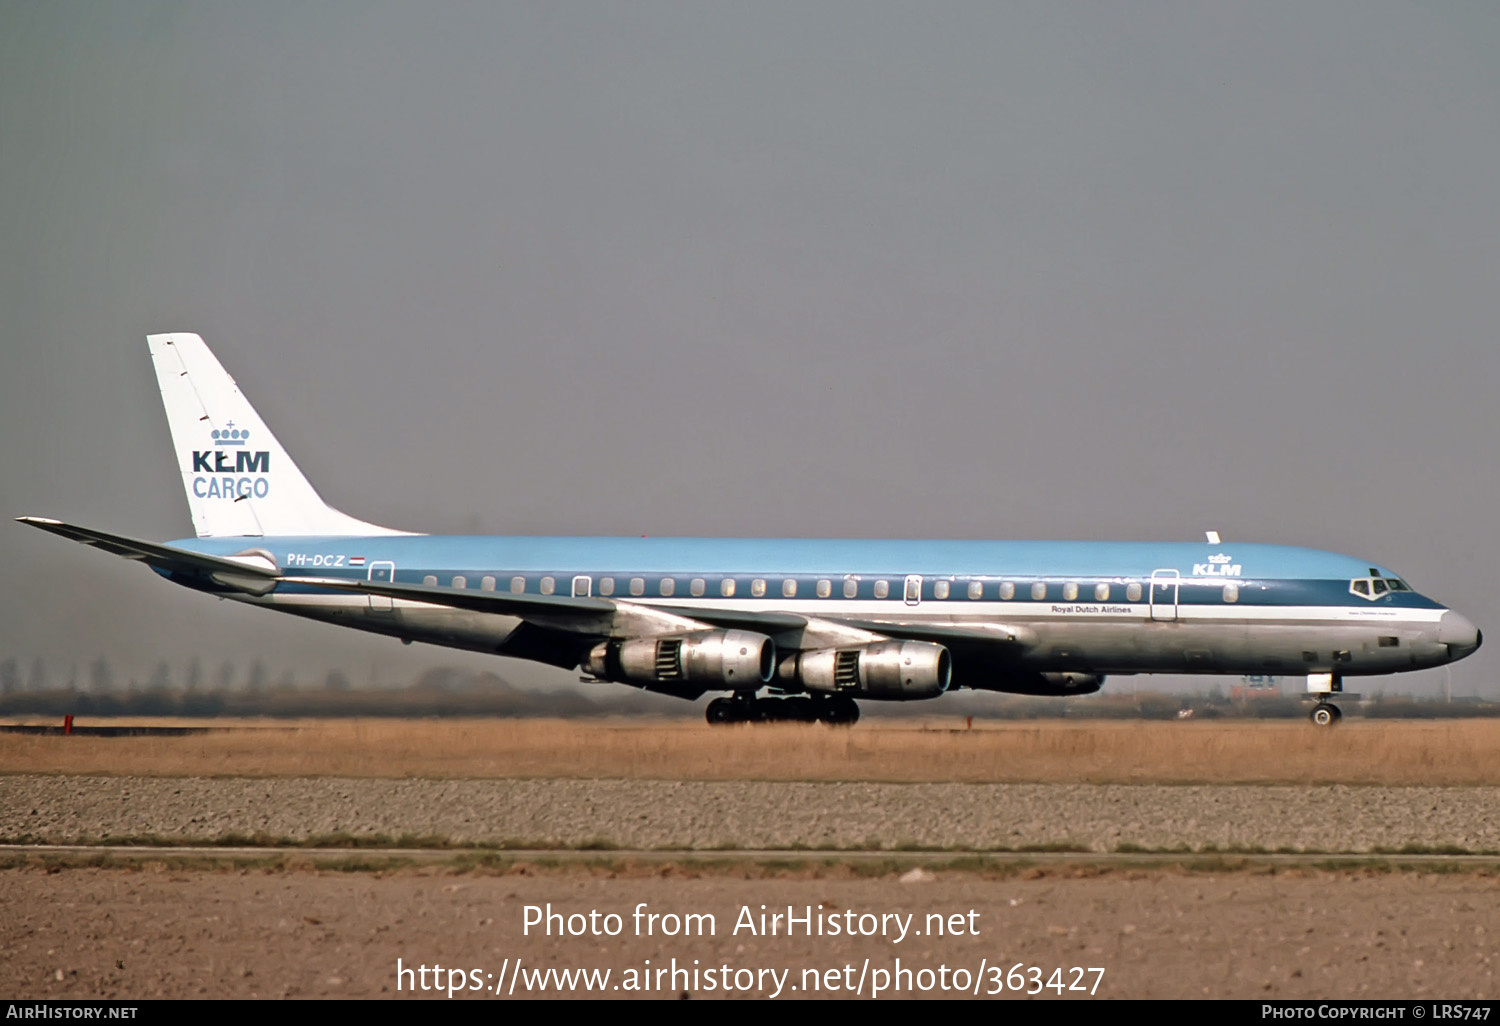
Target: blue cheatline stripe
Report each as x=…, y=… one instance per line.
x=825, y=557
x=1191, y=593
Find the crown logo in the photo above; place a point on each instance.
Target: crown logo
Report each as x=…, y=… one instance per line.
x=231, y=435
x=1218, y=560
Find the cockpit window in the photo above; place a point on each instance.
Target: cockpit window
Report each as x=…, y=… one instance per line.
x=1375, y=587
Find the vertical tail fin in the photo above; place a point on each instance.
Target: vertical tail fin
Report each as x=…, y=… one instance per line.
x=239, y=480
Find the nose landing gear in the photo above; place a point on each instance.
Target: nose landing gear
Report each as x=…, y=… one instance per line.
x=1321, y=687
x=1325, y=714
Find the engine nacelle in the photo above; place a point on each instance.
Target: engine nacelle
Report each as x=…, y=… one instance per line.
x=732, y=659
x=891, y=670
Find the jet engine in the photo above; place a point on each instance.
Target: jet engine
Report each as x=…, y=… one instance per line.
x=734, y=659
x=891, y=670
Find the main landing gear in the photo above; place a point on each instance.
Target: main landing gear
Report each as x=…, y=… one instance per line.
x=839, y=711
x=1325, y=714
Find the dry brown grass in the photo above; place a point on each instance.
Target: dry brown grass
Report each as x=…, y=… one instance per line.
x=1454, y=752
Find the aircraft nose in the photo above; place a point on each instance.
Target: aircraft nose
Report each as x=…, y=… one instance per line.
x=1459, y=634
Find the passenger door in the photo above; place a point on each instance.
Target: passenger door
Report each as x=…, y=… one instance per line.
x=914, y=589
x=382, y=572
x=1165, y=585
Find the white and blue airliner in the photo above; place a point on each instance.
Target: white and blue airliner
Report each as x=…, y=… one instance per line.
x=786, y=629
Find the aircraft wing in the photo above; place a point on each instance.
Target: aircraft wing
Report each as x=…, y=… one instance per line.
x=250, y=572
x=554, y=608
x=949, y=633
x=587, y=614
x=502, y=602
x=745, y=620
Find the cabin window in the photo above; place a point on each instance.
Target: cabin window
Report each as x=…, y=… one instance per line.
x=606, y=585
x=1389, y=642
x=882, y=589
x=851, y=587
x=582, y=585
x=517, y=585
x=940, y=589
x=913, y=590
x=548, y=586
x=976, y=590
x=460, y=581
x=758, y=587
x=1133, y=591
x=486, y=583
x=697, y=587
x=430, y=580
x=1007, y=590
x=726, y=587
x=1038, y=591
x=789, y=588
x=668, y=586
x=1101, y=593
x=637, y=586
x=1361, y=588
x=1070, y=591
x=1342, y=656
x=825, y=588
x=1231, y=592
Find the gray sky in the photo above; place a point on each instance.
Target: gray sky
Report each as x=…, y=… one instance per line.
x=1029, y=270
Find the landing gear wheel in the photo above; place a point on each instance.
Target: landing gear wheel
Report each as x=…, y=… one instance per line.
x=767, y=710
x=840, y=712
x=800, y=710
x=1325, y=715
x=722, y=711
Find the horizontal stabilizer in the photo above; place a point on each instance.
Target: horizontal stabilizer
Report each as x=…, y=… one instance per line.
x=162, y=557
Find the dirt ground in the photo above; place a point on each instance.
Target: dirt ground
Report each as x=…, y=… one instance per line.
x=160, y=932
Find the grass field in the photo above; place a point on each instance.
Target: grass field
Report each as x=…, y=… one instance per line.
x=1454, y=752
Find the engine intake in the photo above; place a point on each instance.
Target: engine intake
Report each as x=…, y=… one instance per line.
x=724, y=658
x=896, y=671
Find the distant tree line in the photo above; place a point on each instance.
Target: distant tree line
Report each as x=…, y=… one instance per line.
x=99, y=677
x=446, y=691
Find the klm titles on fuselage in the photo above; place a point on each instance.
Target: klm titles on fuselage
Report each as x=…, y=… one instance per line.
x=230, y=474
x=1217, y=566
